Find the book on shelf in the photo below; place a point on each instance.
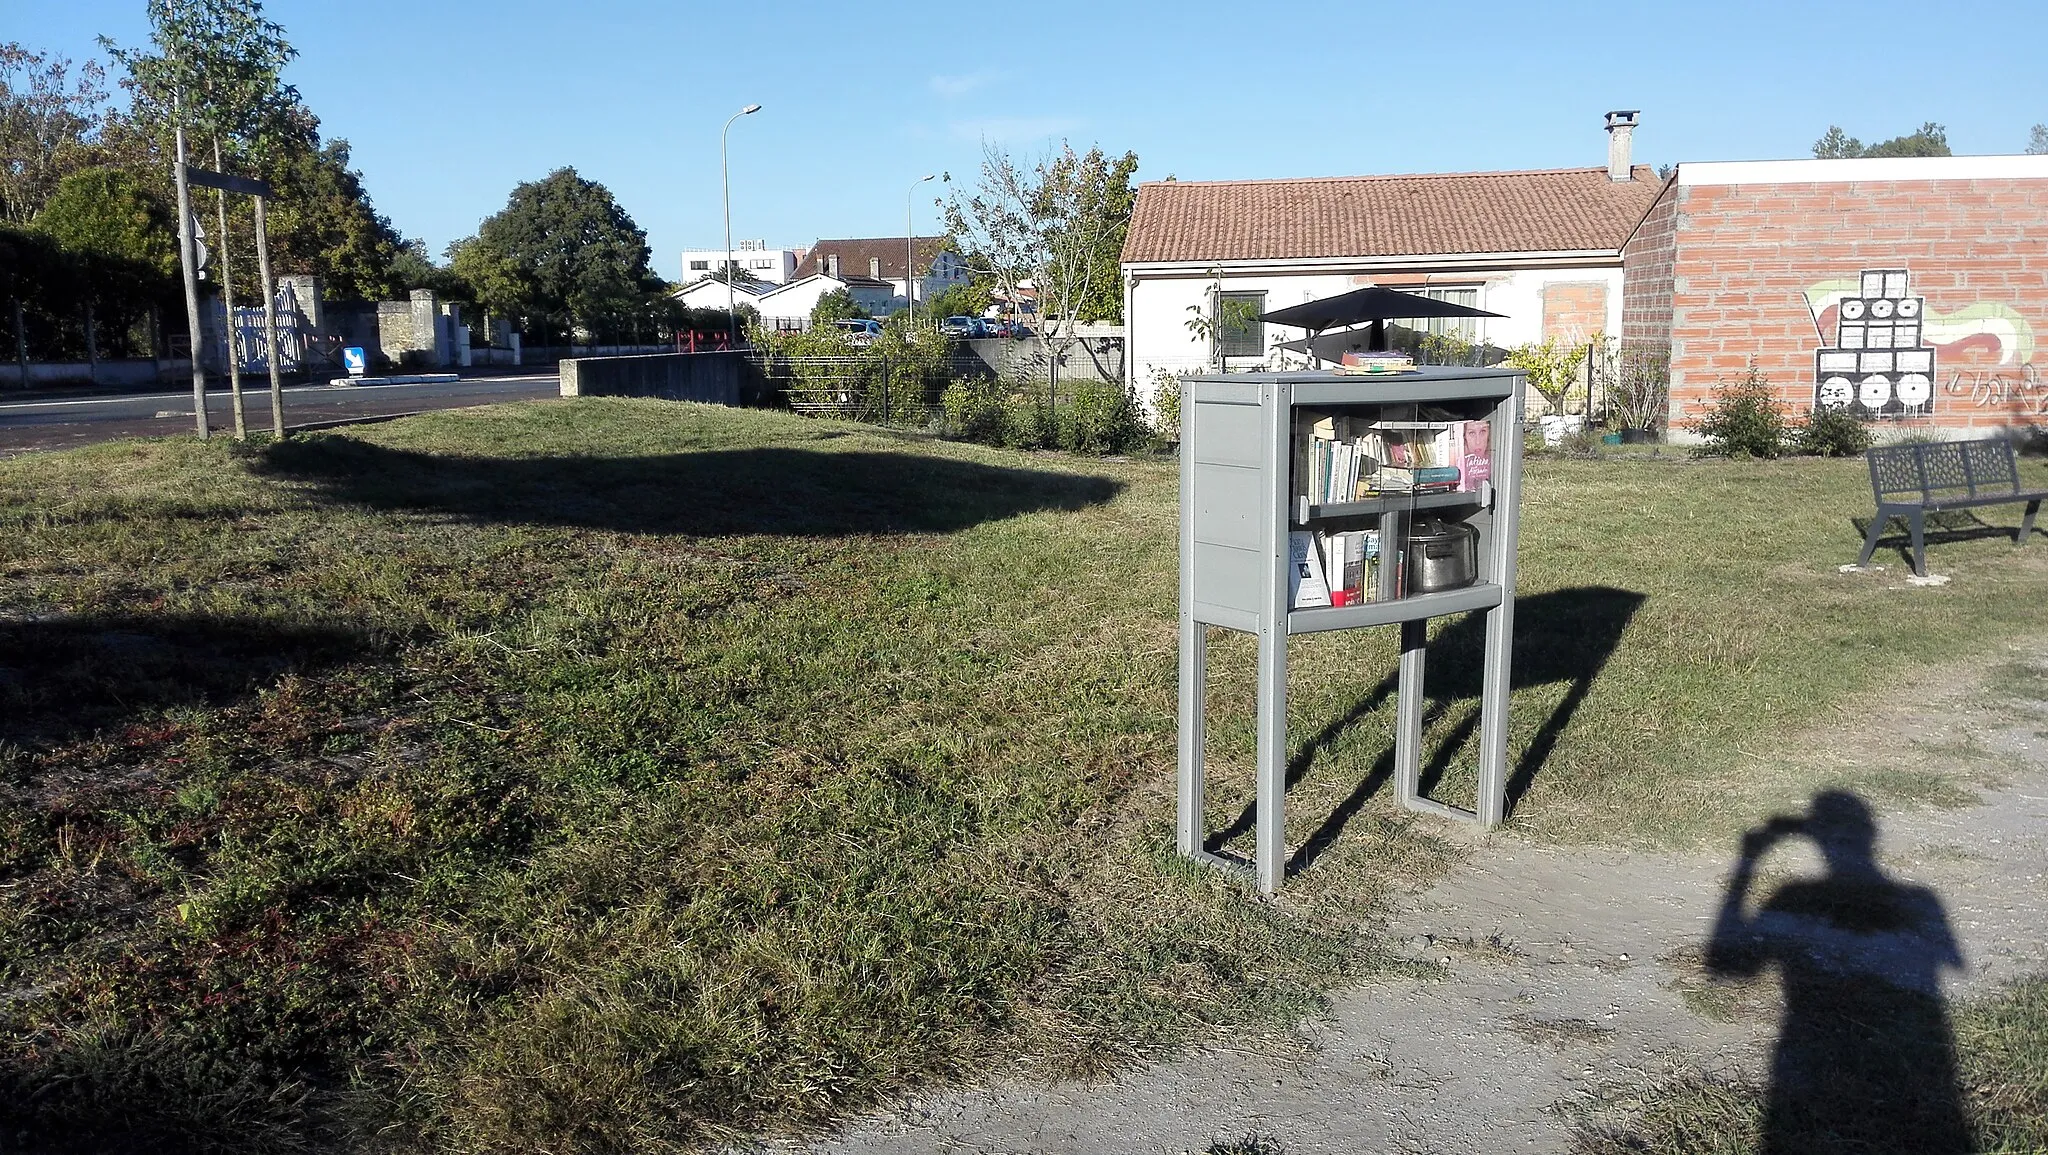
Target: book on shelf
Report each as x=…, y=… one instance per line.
x=1340, y=458
x=1307, y=587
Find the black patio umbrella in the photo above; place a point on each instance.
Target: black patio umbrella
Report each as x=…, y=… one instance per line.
x=1373, y=303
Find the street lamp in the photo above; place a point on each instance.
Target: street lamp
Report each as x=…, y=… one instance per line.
x=732, y=323
x=910, y=262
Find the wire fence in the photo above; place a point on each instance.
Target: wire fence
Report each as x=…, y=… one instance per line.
x=870, y=387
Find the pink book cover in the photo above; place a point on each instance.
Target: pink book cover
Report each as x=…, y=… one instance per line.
x=1478, y=463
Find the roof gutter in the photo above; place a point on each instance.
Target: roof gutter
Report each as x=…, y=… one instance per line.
x=1435, y=261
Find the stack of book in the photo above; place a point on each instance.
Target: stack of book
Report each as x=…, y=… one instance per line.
x=1367, y=363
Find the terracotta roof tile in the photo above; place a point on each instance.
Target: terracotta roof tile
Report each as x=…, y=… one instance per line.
x=855, y=253
x=1388, y=216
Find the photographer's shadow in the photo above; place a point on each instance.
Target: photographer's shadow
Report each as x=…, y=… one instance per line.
x=1865, y=1059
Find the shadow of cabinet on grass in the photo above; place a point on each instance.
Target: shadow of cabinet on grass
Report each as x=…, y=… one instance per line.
x=768, y=490
x=1562, y=636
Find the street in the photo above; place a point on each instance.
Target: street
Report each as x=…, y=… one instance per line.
x=59, y=423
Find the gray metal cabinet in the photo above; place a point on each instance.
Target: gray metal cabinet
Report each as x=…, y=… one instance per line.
x=1240, y=499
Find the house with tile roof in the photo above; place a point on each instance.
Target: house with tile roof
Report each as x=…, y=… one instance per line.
x=881, y=259
x=1542, y=248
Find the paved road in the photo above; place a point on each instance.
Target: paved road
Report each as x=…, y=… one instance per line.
x=62, y=423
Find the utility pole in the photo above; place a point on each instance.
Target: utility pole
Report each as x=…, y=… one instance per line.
x=909, y=260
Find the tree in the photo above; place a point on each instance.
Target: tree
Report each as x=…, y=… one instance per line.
x=964, y=299
x=48, y=126
x=1930, y=140
x=570, y=248
x=217, y=67
x=322, y=222
x=835, y=306
x=2037, y=141
x=123, y=239
x=1048, y=223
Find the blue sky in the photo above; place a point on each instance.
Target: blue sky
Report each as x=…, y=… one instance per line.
x=449, y=103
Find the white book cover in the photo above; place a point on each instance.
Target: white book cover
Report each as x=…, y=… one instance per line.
x=1306, y=585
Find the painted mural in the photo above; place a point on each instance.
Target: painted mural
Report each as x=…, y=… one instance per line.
x=1885, y=353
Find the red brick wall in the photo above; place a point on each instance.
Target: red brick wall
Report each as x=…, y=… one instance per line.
x=1746, y=258
x=1646, y=276
x=1574, y=310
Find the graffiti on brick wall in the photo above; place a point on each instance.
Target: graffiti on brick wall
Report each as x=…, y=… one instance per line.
x=2020, y=389
x=1883, y=350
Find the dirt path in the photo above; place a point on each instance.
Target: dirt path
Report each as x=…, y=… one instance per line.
x=1563, y=976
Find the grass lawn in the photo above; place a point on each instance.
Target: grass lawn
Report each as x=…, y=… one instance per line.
x=608, y=774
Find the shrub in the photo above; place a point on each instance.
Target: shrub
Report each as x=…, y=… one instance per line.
x=1832, y=433
x=1099, y=417
x=974, y=410
x=1024, y=422
x=1553, y=369
x=1165, y=405
x=1747, y=419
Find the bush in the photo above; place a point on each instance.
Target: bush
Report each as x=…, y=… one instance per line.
x=1166, y=405
x=1091, y=417
x=1747, y=419
x=1832, y=433
x=1099, y=417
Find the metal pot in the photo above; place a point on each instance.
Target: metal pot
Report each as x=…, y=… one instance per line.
x=1442, y=555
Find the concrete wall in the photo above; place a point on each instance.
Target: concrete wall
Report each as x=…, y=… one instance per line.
x=1091, y=358
x=1764, y=255
x=123, y=372
x=717, y=378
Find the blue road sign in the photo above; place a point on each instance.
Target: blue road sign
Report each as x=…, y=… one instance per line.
x=352, y=359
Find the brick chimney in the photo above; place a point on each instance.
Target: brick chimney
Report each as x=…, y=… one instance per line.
x=1621, y=126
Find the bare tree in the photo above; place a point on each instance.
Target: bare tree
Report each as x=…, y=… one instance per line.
x=1043, y=224
x=48, y=121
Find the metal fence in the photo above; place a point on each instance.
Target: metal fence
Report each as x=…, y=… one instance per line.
x=867, y=387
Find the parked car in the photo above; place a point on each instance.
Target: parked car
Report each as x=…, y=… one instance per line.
x=859, y=330
x=960, y=326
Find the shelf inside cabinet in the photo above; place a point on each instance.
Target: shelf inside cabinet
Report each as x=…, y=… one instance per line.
x=1482, y=596
x=1378, y=505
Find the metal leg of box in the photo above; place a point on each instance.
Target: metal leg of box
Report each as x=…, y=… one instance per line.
x=1194, y=671
x=1408, y=701
x=1493, y=715
x=1272, y=773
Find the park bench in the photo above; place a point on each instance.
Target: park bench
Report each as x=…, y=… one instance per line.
x=1911, y=481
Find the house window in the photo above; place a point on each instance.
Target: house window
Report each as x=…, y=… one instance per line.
x=1463, y=328
x=1239, y=332
x=875, y=267
x=700, y=266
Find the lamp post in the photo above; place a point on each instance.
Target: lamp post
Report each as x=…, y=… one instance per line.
x=910, y=261
x=732, y=323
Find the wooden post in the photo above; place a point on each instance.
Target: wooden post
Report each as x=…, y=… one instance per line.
x=228, y=328
x=188, y=256
x=269, y=322
x=20, y=343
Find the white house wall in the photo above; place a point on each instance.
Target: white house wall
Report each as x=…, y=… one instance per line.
x=1158, y=307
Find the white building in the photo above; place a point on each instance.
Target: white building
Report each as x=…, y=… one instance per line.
x=709, y=293
x=1542, y=248
x=753, y=258
x=791, y=304
x=882, y=259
